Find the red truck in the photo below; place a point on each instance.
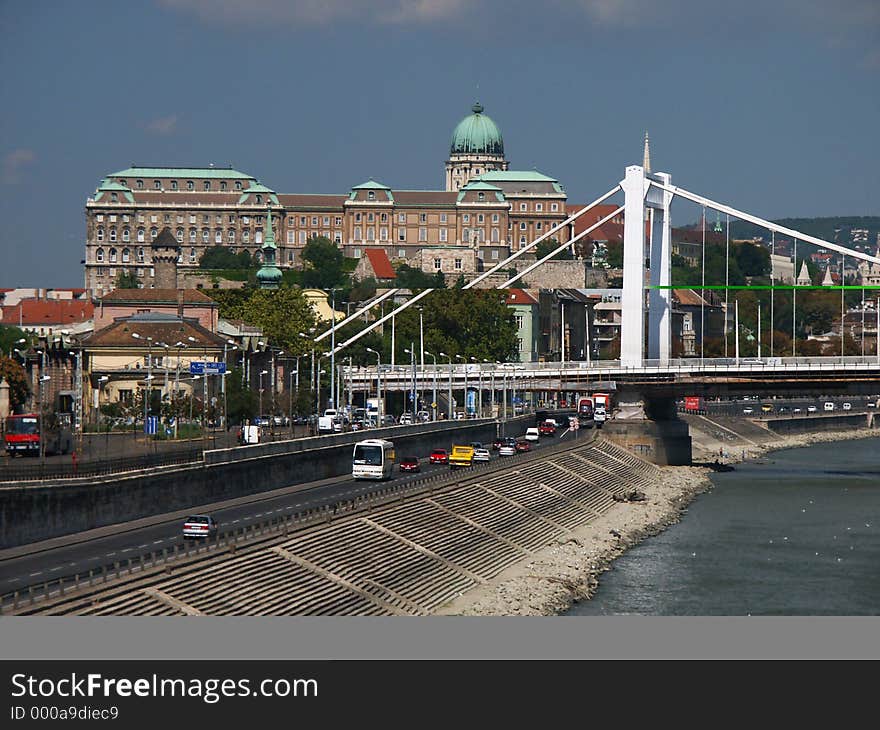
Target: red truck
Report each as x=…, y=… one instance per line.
x=22, y=435
x=694, y=404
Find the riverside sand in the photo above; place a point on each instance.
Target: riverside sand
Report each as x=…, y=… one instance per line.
x=554, y=578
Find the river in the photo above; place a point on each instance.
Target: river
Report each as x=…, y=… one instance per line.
x=795, y=533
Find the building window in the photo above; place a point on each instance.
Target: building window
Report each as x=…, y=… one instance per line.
x=157, y=184
x=192, y=235
x=126, y=256
x=371, y=195
x=259, y=199
x=481, y=218
x=112, y=233
x=154, y=218
x=481, y=197
x=495, y=237
x=126, y=234
x=401, y=253
x=495, y=218
x=112, y=271
x=207, y=184
x=314, y=220
x=99, y=255
x=519, y=321
x=246, y=219
x=458, y=264
x=522, y=240
x=153, y=233
x=357, y=218
x=371, y=234
x=140, y=255
x=370, y=218
x=522, y=226
x=382, y=218
x=139, y=184
x=326, y=220
x=538, y=226
x=383, y=234
x=522, y=206
x=192, y=255
x=258, y=236
x=206, y=235
x=401, y=217
x=174, y=184
x=238, y=184
x=337, y=221
x=290, y=257
x=423, y=217
x=140, y=272
x=357, y=233
x=423, y=234
x=100, y=216
x=554, y=207
x=218, y=218
x=356, y=253
x=443, y=235
x=218, y=236
x=291, y=236
x=99, y=233
x=231, y=218
x=466, y=218
x=539, y=206
x=337, y=237
x=246, y=235
x=223, y=186
x=302, y=237
x=230, y=235
x=495, y=254
x=180, y=235
x=114, y=198
x=443, y=217
x=112, y=255
x=438, y=264
x=466, y=235
x=326, y=234
x=190, y=185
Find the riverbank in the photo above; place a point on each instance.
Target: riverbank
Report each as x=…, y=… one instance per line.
x=569, y=570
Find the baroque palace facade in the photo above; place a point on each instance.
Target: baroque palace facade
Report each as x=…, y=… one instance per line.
x=486, y=209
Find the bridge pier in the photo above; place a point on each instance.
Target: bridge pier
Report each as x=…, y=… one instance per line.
x=650, y=427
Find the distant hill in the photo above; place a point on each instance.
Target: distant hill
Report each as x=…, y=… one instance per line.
x=836, y=230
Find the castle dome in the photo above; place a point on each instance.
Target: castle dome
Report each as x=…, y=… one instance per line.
x=477, y=134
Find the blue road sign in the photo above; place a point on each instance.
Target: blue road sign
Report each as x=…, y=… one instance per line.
x=198, y=367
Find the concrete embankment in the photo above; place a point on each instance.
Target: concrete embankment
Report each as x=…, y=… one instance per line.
x=569, y=570
x=42, y=510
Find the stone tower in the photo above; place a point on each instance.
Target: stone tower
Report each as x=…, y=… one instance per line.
x=165, y=251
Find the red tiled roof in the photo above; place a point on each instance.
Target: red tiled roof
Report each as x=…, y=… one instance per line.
x=157, y=296
x=44, y=312
x=611, y=231
x=119, y=333
x=519, y=296
x=381, y=265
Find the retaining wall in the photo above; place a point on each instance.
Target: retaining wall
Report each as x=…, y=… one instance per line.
x=818, y=424
x=39, y=511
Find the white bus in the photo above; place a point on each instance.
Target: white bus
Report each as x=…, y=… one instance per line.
x=372, y=459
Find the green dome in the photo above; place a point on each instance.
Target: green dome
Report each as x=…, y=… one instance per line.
x=477, y=134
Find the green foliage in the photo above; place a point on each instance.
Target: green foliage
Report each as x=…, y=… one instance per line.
x=545, y=247
x=127, y=280
x=325, y=264
x=220, y=257
x=414, y=279
x=752, y=259
x=361, y=291
x=241, y=402
x=825, y=228
x=14, y=374
x=614, y=254
x=9, y=339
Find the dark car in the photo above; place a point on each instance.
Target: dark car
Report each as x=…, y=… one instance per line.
x=523, y=446
x=410, y=463
x=439, y=456
x=497, y=444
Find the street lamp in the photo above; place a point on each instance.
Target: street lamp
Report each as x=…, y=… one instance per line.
x=262, y=373
x=149, y=383
x=480, y=391
x=434, y=402
x=43, y=379
x=379, y=410
x=449, y=403
x=412, y=359
x=292, y=374
x=464, y=360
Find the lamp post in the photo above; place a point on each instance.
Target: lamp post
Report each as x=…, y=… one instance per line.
x=312, y=370
x=149, y=383
x=43, y=379
x=379, y=409
x=449, y=402
x=480, y=389
x=464, y=360
x=433, y=402
x=262, y=373
x=332, y=403
x=318, y=375
x=292, y=374
x=492, y=376
x=412, y=359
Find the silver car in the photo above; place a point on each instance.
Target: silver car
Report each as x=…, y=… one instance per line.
x=482, y=455
x=197, y=526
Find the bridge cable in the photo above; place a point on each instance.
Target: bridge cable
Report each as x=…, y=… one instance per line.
x=703, y=290
x=772, y=290
x=794, y=305
x=842, y=303
x=726, y=282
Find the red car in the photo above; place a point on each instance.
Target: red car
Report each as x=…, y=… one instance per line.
x=548, y=428
x=523, y=446
x=439, y=456
x=497, y=444
x=409, y=463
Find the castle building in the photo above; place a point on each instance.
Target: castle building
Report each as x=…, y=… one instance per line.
x=486, y=209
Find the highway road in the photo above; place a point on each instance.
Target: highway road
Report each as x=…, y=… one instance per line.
x=79, y=553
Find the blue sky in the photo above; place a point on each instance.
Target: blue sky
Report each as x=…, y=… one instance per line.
x=771, y=107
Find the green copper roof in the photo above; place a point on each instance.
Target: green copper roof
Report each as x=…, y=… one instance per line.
x=477, y=134
x=256, y=187
x=371, y=185
x=109, y=186
x=515, y=175
x=478, y=185
x=214, y=173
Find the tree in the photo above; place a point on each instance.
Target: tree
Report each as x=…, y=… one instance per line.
x=282, y=314
x=220, y=257
x=752, y=259
x=13, y=373
x=546, y=247
x=9, y=339
x=127, y=280
x=416, y=279
x=325, y=264
x=241, y=402
x=614, y=255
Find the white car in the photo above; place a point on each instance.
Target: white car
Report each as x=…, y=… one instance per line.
x=847, y=406
x=406, y=419
x=747, y=411
x=197, y=526
x=811, y=409
x=507, y=450
x=532, y=434
x=482, y=455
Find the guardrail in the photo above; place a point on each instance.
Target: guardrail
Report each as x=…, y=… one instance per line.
x=39, y=472
x=161, y=561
